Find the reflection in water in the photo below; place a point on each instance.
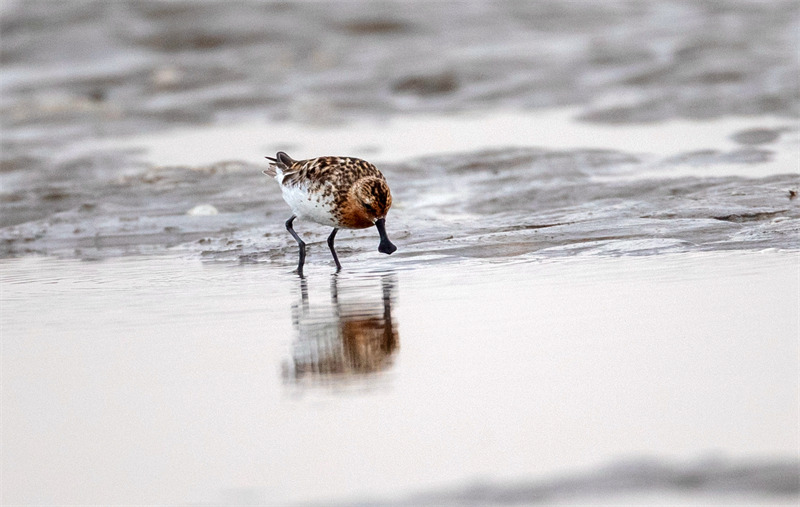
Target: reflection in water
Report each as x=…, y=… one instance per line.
x=354, y=335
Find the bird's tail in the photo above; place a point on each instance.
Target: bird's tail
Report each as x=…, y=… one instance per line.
x=281, y=161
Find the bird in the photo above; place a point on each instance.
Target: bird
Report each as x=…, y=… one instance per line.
x=340, y=192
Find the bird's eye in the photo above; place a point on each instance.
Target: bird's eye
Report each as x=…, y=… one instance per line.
x=369, y=208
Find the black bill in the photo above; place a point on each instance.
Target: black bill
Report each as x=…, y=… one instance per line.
x=386, y=246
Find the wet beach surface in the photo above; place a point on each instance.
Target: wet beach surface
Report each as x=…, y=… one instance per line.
x=179, y=382
x=496, y=202
x=90, y=89
x=595, y=297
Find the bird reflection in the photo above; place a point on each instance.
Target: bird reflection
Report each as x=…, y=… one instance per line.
x=354, y=335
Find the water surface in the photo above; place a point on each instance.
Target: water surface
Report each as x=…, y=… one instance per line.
x=170, y=381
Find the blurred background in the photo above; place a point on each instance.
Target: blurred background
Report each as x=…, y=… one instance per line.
x=594, y=300
x=78, y=77
x=80, y=69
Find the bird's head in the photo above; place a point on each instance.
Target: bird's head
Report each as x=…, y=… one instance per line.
x=373, y=197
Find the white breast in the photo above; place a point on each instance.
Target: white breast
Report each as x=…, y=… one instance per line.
x=309, y=206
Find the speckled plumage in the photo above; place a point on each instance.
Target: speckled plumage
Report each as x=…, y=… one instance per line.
x=341, y=192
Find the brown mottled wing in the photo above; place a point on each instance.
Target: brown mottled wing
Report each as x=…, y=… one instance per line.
x=341, y=172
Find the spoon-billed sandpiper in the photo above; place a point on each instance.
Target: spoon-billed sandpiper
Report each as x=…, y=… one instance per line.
x=340, y=192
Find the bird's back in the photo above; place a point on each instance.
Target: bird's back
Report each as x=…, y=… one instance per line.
x=339, y=172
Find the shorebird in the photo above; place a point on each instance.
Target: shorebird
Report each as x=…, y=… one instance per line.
x=341, y=192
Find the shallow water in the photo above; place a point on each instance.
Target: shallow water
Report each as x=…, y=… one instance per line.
x=170, y=381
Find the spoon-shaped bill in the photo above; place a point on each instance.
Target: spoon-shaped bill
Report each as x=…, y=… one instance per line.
x=385, y=246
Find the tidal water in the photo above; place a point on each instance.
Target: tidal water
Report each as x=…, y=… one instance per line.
x=669, y=378
x=595, y=294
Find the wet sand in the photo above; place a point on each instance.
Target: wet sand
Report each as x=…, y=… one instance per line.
x=80, y=70
x=138, y=128
x=171, y=381
x=677, y=186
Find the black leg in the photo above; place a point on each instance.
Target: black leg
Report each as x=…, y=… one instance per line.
x=299, y=243
x=333, y=252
